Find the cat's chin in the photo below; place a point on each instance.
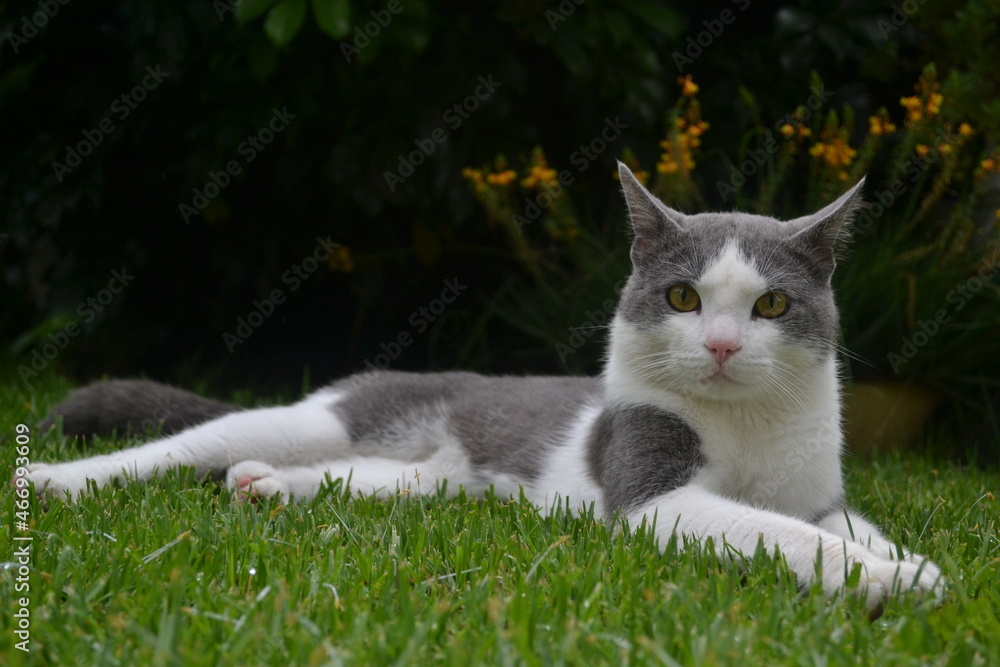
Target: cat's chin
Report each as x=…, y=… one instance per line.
x=726, y=385
x=721, y=387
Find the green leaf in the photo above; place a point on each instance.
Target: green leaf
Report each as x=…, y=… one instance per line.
x=619, y=27
x=262, y=58
x=248, y=10
x=664, y=20
x=333, y=17
x=284, y=21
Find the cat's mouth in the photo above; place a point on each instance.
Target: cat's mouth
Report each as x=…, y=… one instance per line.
x=722, y=376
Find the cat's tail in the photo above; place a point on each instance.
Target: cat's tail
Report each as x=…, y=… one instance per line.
x=132, y=406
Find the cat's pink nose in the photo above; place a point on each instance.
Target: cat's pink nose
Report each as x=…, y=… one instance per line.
x=722, y=348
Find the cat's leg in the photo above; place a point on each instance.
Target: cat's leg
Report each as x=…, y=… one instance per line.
x=368, y=475
x=852, y=526
x=695, y=511
x=302, y=433
x=252, y=480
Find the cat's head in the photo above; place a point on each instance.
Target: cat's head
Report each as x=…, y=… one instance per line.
x=729, y=305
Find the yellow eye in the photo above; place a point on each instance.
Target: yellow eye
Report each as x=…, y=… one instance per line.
x=683, y=298
x=771, y=305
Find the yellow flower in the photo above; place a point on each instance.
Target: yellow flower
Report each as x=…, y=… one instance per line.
x=688, y=87
x=835, y=152
x=341, y=260
x=878, y=125
x=966, y=130
x=797, y=131
x=667, y=167
x=474, y=175
x=934, y=104
x=988, y=164
x=944, y=148
x=913, y=106
x=922, y=150
x=682, y=143
x=539, y=174
x=502, y=178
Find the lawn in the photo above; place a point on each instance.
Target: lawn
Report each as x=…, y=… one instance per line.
x=175, y=573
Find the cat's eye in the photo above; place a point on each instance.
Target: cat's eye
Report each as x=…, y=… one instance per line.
x=771, y=305
x=683, y=298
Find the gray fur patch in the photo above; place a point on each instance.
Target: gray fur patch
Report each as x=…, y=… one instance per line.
x=640, y=452
x=506, y=424
x=132, y=406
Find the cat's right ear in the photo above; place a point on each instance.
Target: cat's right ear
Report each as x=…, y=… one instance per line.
x=654, y=224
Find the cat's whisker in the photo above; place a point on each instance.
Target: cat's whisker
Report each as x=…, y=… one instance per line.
x=852, y=355
x=593, y=327
x=788, y=390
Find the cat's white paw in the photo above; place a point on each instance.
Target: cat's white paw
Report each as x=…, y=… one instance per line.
x=253, y=480
x=59, y=480
x=885, y=549
x=882, y=578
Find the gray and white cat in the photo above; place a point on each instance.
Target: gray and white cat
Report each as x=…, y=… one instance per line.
x=717, y=415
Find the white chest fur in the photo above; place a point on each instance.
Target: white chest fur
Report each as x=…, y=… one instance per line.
x=787, y=463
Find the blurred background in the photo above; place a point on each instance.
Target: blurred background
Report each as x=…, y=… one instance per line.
x=267, y=194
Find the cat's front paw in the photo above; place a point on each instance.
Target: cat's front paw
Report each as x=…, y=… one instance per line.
x=252, y=480
x=882, y=578
x=59, y=480
x=927, y=577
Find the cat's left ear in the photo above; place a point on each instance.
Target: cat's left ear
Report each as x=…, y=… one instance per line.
x=654, y=224
x=824, y=234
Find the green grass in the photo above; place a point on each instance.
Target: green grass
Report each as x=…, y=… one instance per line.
x=174, y=573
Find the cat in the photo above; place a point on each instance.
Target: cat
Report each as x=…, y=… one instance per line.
x=718, y=414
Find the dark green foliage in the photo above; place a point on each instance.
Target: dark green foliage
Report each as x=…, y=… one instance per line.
x=363, y=102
